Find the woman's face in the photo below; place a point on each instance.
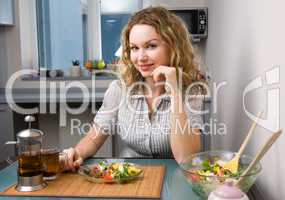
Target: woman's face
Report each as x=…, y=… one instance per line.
x=148, y=51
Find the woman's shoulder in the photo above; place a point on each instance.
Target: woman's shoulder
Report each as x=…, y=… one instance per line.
x=115, y=89
x=116, y=85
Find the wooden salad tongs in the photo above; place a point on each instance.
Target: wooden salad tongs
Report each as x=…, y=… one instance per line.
x=233, y=164
x=270, y=141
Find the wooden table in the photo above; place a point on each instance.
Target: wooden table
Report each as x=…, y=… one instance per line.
x=175, y=185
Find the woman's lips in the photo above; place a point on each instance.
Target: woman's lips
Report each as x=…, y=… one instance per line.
x=145, y=67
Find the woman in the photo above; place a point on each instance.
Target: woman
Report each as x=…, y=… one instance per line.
x=147, y=108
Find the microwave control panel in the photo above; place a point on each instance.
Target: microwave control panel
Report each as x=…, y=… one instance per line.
x=203, y=22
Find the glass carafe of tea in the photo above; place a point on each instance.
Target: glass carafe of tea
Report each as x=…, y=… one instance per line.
x=30, y=169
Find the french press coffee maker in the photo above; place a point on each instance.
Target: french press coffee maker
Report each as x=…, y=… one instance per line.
x=29, y=144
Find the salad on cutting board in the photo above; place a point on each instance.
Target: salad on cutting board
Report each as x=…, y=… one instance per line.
x=104, y=172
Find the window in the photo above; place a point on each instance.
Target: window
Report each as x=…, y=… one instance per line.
x=62, y=32
x=80, y=29
x=111, y=28
x=114, y=17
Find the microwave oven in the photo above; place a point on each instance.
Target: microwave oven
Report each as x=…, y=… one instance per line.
x=196, y=20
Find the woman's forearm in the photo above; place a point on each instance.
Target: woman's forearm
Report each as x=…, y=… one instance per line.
x=184, y=139
x=90, y=144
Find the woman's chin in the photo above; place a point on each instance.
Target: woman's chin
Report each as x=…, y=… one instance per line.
x=146, y=74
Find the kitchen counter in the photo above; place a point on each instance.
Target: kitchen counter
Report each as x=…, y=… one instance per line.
x=27, y=91
x=175, y=185
x=32, y=95
x=30, y=92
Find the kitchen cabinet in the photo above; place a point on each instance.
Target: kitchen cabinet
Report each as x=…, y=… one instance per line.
x=6, y=132
x=6, y=12
x=3, y=59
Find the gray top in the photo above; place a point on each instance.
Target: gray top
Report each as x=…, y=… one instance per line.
x=129, y=118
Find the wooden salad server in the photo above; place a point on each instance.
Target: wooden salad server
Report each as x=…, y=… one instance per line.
x=233, y=164
x=270, y=141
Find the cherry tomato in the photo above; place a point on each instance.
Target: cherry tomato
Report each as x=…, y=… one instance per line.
x=108, y=177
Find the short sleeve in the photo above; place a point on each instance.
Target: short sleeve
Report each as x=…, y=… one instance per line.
x=194, y=109
x=106, y=117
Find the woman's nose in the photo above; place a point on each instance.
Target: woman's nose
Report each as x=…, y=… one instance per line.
x=142, y=55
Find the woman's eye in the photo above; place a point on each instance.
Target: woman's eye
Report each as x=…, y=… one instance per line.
x=134, y=48
x=151, y=46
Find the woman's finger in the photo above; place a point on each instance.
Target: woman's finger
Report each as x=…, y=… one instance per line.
x=70, y=156
x=78, y=162
x=163, y=71
x=158, y=74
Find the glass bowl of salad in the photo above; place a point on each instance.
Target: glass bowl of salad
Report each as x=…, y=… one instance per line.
x=204, y=171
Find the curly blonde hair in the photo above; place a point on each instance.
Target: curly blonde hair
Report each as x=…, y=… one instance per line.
x=173, y=32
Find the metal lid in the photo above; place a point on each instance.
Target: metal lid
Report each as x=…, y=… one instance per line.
x=30, y=133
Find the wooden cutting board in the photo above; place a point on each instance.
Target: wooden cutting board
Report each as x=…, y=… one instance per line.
x=74, y=185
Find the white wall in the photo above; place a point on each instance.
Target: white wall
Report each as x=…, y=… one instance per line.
x=246, y=39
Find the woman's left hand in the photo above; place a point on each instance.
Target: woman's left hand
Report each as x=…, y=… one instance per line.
x=168, y=74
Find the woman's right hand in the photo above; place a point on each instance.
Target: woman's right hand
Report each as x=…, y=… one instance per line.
x=74, y=159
